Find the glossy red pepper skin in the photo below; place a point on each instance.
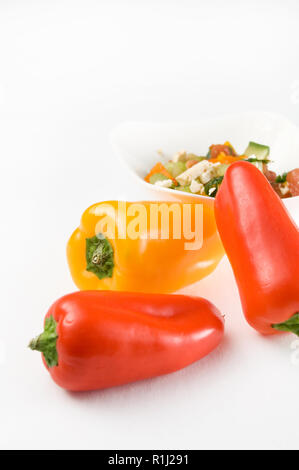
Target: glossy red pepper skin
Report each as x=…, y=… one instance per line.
x=112, y=338
x=262, y=244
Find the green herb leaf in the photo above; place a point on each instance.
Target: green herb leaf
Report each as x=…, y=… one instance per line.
x=214, y=183
x=256, y=160
x=291, y=325
x=281, y=178
x=99, y=256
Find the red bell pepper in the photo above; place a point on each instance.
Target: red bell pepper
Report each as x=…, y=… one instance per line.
x=99, y=339
x=262, y=244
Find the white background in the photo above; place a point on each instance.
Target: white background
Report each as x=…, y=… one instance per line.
x=69, y=72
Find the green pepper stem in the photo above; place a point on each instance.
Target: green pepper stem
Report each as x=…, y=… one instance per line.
x=46, y=342
x=291, y=325
x=99, y=256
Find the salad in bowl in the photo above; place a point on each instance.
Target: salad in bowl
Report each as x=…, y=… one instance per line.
x=202, y=175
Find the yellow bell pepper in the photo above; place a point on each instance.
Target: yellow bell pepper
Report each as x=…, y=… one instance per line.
x=113, y=248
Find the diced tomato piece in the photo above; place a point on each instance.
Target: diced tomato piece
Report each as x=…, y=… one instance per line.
x=293, y=181
x=226, y=149
x=277, y=189
x=270, y=175
x=216, y=149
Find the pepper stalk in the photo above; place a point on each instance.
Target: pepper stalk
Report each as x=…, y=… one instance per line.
x=46, y=342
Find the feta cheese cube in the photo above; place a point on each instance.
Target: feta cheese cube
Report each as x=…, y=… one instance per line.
x=284, y=188
x=209, y=173
x=211, y=191
x=197, y=187
x=164, y=183
x=204, y=170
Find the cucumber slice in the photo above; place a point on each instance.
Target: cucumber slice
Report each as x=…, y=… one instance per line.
x=260, y=151
x=175, y=168
x=221, y=169
x=157, y=177
x=186, y=188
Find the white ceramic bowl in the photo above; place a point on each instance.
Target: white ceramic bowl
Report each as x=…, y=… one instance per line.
x=137, y=144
